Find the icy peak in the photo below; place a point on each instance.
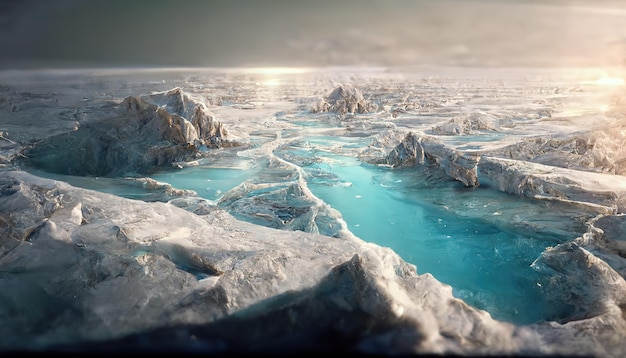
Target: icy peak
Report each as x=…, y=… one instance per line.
x=173, y=100
x=147, y=131
x=344, y=99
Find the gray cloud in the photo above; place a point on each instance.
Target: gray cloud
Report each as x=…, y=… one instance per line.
x=310, y=33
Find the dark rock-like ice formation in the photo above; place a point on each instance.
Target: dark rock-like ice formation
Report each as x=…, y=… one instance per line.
x=345, y=99
x=591, y=191
x=142, y=134
x=416, y=149
x=462, y=126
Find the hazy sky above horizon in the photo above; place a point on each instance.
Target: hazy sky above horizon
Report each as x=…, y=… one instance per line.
x=66, y=33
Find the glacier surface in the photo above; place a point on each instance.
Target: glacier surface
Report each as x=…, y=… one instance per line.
x=438, y=210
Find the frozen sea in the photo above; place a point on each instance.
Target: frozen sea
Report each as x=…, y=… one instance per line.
x=480, y=240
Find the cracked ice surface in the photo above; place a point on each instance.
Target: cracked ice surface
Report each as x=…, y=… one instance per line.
x=463, y=211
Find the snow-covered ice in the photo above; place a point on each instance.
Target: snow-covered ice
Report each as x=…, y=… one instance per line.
x=436, y=210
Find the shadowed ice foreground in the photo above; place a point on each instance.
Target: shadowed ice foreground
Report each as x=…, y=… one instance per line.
x=445, y=211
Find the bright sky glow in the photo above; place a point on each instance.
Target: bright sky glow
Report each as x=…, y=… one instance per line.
x=271, y=71
x=272, y=82
x=599, y=76
x=609, y=81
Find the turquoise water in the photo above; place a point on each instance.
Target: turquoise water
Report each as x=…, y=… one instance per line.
x=209, y=183
x=116, y=186
x=455, y=234
x=487, y=266
x=478, y=241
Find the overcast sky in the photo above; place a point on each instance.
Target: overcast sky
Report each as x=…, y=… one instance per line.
x=65, y=33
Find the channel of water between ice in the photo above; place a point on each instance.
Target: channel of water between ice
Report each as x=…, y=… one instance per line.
x=475, y=240
x=437, y=225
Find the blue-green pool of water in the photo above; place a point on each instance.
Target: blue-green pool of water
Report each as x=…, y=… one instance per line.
x=208, y=182
x=487, y=266
x=462, y=237
x=433, y=223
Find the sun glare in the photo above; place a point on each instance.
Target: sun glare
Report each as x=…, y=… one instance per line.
x=609, y=81
x=272, y=75
x=596, y=76
x=272, y=82
x=276, y=70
